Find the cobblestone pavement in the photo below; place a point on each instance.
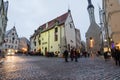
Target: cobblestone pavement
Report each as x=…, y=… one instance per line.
x=42, y=68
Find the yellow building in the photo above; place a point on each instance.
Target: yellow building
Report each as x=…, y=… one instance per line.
x=55, y=35
x=112, y=20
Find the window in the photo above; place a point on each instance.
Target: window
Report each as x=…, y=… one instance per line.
x=70, y=25
x=51, y=46
x=55, y=34
x=16, y=42
x=56, y=37
x=34, y=43
x=56, y=30
x=12, y=46
x=8, y=46
x=13, y=34
x=13, y=40
x=39, y=42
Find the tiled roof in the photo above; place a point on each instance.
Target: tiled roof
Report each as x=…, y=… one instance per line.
x=61, y=20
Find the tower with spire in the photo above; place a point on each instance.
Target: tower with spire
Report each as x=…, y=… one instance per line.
x=93, y=34
x=90, y=9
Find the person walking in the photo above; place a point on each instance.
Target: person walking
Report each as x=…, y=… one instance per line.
x=76, y=55
x=105, y=55
x=66, y=55
x=72, y=54
x=117, y=56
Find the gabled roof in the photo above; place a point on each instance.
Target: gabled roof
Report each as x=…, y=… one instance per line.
x=9, y=31
x=60, y=19
x=93, y=29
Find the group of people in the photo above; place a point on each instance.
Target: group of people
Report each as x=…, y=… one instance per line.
x=115, y=54
x=73, y=54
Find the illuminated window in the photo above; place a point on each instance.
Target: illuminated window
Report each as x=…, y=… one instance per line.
x=91, y=42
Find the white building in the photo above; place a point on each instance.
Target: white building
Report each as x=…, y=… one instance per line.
x=55, y=35
x=11, y=40
x=3, y=20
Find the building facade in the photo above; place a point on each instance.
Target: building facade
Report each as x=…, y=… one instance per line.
x=111, y=18
x=11, y=41
x=24, y=45
x=93, y=40
x=55, y=35
x=3, y=20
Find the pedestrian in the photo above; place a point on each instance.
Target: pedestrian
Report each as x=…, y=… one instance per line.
x=113, y=53
x=105, y=56
x=76, y=55
x=72, y=54
x=117, y=56
x=66, y=55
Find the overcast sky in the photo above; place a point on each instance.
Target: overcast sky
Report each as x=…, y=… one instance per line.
x=28, y=15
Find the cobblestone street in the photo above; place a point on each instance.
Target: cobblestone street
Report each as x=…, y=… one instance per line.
x=42, y=68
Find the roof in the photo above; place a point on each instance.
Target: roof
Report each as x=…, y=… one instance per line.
x=9, y=31
x=61, y=20
x=90, y=5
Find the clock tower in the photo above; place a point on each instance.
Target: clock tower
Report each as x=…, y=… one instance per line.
x=90, y=9
x=93, y=34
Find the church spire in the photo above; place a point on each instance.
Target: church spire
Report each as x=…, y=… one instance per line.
x=90, y=9
x=90, y=4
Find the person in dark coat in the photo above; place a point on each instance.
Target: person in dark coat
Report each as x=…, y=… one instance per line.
x=72, y=54
x=76, y=55
x=117, y=56
x=105, y=56
x=66, y=55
